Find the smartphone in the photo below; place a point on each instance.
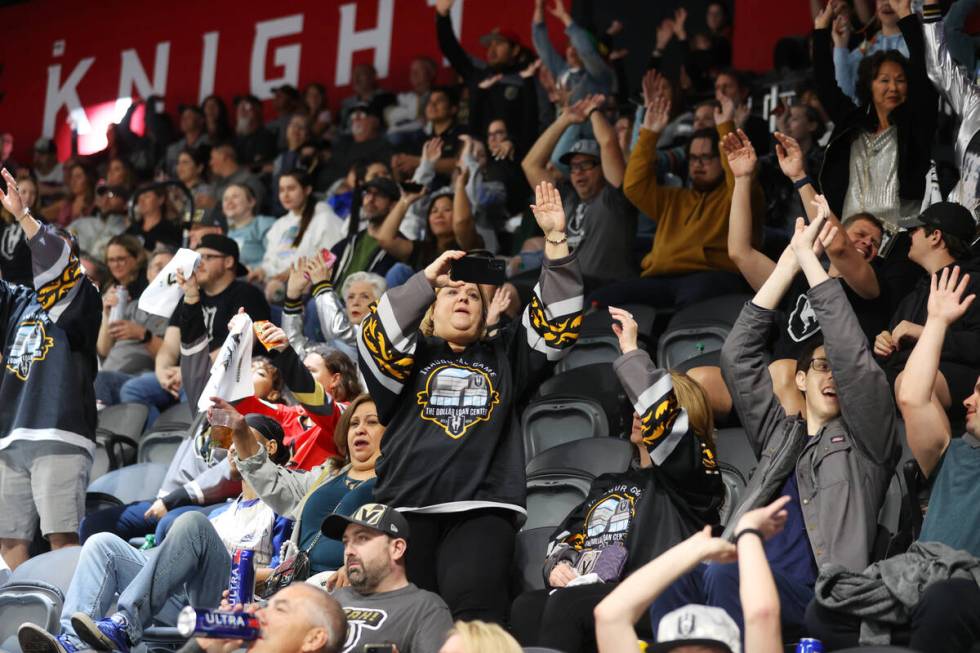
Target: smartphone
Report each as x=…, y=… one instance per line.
x=329, y=258
x=478, y=269
x=379, y=648
x=412, y=187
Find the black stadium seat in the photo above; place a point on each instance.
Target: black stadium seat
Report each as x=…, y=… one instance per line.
x=551, y=497
x=550, y=421
x=698, y=329
x=592, y=456
x=599, y=383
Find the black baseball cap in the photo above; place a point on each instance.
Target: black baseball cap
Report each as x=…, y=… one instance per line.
x=375, y=516
x=385, y=186
x=212, y=217
x=370, y=108
x=950, y=218
x=226, y=246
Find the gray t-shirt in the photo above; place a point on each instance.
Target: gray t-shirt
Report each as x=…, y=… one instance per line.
x=414, y=620
x=132, y=356
x=602, y=231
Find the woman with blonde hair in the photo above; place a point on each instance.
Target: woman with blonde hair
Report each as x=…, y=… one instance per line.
x=628, y=518
x=479, y=637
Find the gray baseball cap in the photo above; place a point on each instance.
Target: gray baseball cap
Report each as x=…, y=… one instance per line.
x=697, y=624
x=586, y=146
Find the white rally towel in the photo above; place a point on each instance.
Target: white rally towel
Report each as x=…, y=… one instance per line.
x=163, y=293
x=231, y=374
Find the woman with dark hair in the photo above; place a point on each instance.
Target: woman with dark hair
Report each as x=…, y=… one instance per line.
x=15, y=254
x=315, y=96
x=629, y=518
x=80, y=182
x=152, y=225
x=297, y=135
x=342, y=484
x=307, y=228
x=126, y=259
x=453, y=462
x=717, y=20
x=192, y=171
x=216, y=122
x=880, y=150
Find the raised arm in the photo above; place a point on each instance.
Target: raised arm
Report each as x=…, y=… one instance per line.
x=535, y=162
x=611, y=156
x=550, y=57
x=592, y=61
x=640, y=179
x=755, y=266
x=757, y=589
x=387, y=232
x=926, y=424
x=464, y=226
x=834, y=100
x=616, y=614
x=449, y=44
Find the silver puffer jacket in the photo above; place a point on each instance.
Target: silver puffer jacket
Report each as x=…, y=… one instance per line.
x=964, y=96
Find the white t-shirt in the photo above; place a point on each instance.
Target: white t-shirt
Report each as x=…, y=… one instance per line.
x=324, y=230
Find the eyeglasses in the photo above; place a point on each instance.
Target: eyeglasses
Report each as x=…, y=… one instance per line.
x=583, y=166
x=821, y=365
x=703, y=159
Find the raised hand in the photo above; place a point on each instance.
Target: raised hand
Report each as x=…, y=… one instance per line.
x=825, y=17
x=651, y=86
x=443, y=6
x=725, y=111
x=272, y=335
x=665, y=32
x=317, y=270
x=712, y=548
x=432, y=150
x=625, y=328
x=680, y=18
x=578, y=112
x=437, y=272
x=558, y=11
x=11, y=200
x=192, y=292
x=841, y=34
x=804, y=241
x=547, y=209
x=297, y=282
x=946, y=301
x=790, y=156
x=741, y=155
x=768, y=519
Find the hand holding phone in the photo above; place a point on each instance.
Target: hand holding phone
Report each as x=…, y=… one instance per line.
x=474, y=268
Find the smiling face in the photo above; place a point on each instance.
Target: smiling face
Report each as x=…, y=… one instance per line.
x=359, y=297
x=704, y=165
x=441, y=216
x=889, y=88
x=236, y=203
x=866, y=237
x=457, y=315
x=818, y=385
x=886, y=15
x=364, y=435
x=122, y=264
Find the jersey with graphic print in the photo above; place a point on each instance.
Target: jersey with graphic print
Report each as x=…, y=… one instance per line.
x=49, y=359
x=630, y=518
x=414, y=620
x=452, y=442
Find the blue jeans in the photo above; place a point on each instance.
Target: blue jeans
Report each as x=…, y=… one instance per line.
x=108, y=384
x=398, y=274
x=128, y=521
x=717, y=585
x=190, y=568
x=145, y=389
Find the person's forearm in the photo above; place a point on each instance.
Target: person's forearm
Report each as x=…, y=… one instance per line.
x=536, y=160
x=105, y=341
x=923, y=364
x=772, y=291
x=610, y=155
x=464, y=227
x=760, y=601
x=814, y=272
x=387, y=231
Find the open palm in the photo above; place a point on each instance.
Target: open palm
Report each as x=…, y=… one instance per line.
x=741, y=155
x=547, y=208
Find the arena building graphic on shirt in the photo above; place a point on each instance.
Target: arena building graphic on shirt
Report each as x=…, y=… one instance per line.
x=457, y=396
x=31, y=343
x=361, y=622
x=609, y=519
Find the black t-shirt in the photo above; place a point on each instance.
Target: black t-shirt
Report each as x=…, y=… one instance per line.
x=219, y=309
x=800, y=323
x=165, y=232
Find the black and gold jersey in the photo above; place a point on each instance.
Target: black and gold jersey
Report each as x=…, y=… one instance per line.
x=452, y=441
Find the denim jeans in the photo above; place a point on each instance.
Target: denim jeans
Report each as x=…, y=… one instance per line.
x=128, y=521
x=717, y=585
x=190, y=568
x=145, y=389
x=108, y=383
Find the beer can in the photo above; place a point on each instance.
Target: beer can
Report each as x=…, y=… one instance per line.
x=219, y=625
x=117, y=311
x=241, y=585
x=809, y=645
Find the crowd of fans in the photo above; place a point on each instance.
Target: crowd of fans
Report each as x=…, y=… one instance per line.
x=379, y=458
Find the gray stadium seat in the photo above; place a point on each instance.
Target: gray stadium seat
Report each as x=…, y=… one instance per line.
x=101, y=462
x=732, y=446
x=698, y=329
x=119, y=429
x=550, y=421
x=735, y=485
x=551, y=498
x=529, y=554
x=592, y=456
x=589, y=350
x=598, y=382
x=130, y=484
x=160, y=447
x=175, y=418
x=35, y=592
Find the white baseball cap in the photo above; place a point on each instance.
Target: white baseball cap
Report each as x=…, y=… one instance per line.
x=697, y=624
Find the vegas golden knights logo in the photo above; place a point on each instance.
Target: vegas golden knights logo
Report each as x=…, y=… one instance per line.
x=360, y=623
x=369, y=513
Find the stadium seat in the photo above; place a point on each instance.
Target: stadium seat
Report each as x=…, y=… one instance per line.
x=529, y=554
x=551, y=497
x=130, y=484
x=592, y=456
x=35, y=592
x=733, y=447
x=119, y=429
x=698, y=329
x=101, y=462
x=599, y=383
x=175, y=418
x=589, y=350
x=162, y=639
x=550, y=421
x=160, y=447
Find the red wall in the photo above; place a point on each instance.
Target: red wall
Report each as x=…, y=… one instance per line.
x=759, y=24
